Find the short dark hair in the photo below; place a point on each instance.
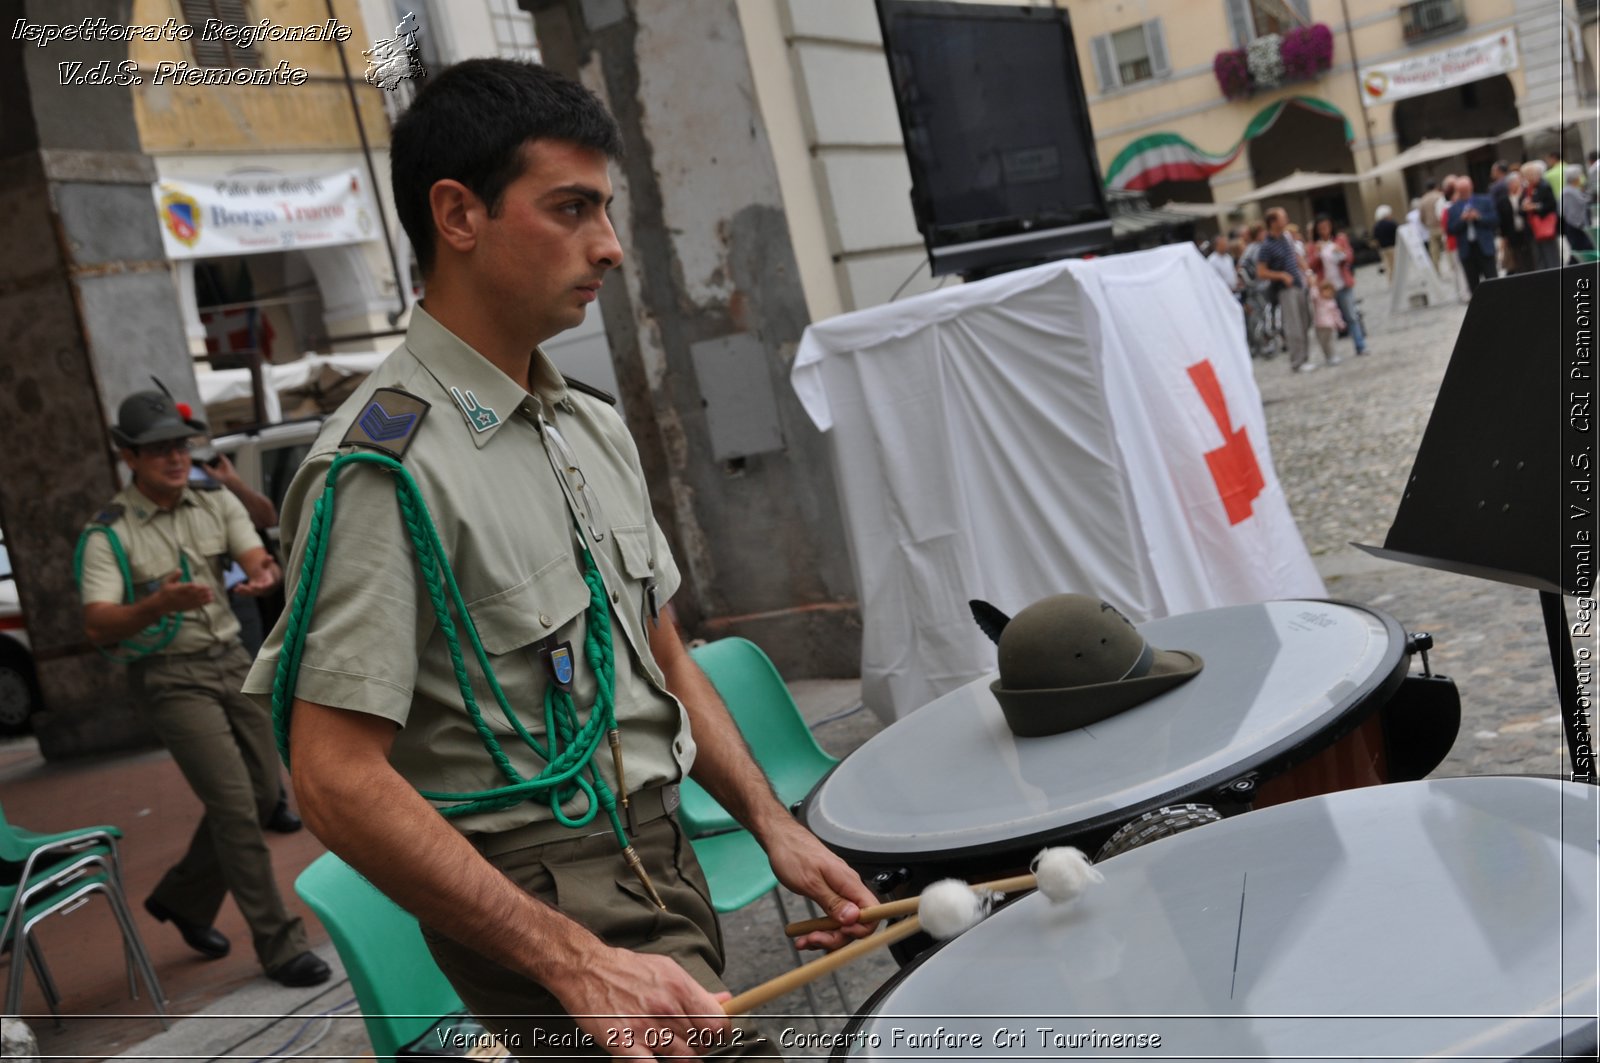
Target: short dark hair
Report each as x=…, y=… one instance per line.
x=470, y=124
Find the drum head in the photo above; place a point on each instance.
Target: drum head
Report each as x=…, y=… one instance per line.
x=1282, y=680
x=1445, y=919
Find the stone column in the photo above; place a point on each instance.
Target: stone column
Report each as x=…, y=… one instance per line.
x=704, y=324
x=88, y=311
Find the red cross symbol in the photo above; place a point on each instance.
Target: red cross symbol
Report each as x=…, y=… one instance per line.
x=1233, y=465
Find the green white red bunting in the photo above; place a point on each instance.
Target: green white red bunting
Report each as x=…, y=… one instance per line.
x=1159, y=157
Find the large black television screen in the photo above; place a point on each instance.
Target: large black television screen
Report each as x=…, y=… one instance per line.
x=997, y=131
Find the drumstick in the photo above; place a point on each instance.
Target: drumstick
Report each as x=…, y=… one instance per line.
x=1064, y=872
x=769, y=991
x=907, y=905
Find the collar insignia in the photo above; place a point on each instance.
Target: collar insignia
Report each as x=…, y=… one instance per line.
x=482, y=418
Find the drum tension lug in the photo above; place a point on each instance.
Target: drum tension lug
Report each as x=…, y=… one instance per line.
x=885, y=882
x=1420, y=642
x=1242, y=787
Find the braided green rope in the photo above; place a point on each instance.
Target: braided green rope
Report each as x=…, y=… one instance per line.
x=153, y=638
x=570, y=745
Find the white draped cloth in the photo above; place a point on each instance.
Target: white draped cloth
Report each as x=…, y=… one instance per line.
x=1085, y=426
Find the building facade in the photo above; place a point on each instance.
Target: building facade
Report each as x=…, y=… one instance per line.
x=1470, y=68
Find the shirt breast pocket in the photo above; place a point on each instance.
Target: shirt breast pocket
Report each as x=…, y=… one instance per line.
x=633, y=546
x=532, y=610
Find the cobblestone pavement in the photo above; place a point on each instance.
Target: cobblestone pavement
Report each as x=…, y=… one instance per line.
x=1343, y=440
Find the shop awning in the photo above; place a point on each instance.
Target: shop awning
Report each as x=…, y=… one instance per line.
x=1199, y=210
x=1295, y=183
x=1427, y=151
x=1553, y=120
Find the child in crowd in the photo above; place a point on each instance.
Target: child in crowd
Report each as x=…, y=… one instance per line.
x=1327, y=320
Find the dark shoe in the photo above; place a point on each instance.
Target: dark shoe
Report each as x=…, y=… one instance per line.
x=206, y=940
x=282, y=820
x=305, y=969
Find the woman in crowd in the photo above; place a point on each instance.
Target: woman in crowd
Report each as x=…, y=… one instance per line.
x=1540, y=211
x=1516, y=242
x=1384, y=231
x=1332, y=262
x=1575, y=214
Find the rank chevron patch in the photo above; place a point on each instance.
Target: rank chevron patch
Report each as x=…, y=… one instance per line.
x=387, y=423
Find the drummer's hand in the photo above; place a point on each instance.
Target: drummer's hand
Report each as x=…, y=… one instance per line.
x=806, y=866
x=638, y=1005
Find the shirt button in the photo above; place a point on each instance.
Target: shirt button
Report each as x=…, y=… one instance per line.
x=544, y=618
x=615, y=597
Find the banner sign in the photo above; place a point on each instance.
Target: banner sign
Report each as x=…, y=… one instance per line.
x=1484, y=57
x=255, y=213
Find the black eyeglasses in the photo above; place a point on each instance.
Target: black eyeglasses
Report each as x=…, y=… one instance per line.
x=163, y=448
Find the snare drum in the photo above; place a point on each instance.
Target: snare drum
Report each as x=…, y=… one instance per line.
x=949, y=790
x=1449, y=919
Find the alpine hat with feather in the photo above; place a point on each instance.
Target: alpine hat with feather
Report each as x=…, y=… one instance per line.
x=1071, y=660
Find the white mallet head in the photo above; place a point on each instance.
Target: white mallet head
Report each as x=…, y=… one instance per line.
x=949, y=907
x=1063, y=872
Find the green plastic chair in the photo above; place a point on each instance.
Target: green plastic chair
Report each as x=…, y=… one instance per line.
x=736, y=867
x=403, y=995
x=772, y=726
x=35, y=868
x=61, y=888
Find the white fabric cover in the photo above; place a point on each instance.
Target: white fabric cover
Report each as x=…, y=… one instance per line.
x=1036, y=433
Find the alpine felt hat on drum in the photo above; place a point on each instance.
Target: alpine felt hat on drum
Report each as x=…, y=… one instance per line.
x=1070, y=660
x=153, y=417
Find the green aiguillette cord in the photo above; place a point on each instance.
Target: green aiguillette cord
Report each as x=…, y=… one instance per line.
x=152, y=639
x=570, y=744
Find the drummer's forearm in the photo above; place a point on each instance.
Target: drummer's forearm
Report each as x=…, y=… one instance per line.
x=723, y=763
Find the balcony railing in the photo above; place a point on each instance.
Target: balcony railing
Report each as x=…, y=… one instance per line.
x=1431, y=18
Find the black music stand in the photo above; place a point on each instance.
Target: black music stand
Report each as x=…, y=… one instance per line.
x=1503, y=484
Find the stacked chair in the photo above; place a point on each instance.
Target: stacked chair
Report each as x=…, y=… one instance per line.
x=735, y=865
x=55, y=874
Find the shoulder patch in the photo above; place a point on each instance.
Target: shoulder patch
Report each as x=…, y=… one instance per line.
x=590, y=390
x=109, y=515
x=387, y=423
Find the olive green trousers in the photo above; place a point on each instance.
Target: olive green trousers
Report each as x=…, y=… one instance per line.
x=222, y=742
x=587, y=880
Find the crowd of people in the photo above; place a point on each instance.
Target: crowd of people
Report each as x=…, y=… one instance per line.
x=1294, y=288
x=1515, y=226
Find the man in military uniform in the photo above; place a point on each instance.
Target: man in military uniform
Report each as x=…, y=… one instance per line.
x=500, y=174
x=176, y=538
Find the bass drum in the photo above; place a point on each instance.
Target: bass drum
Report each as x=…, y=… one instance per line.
x=1449, y=919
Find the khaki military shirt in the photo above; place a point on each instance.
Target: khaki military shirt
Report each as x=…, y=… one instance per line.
x=511, y=537
x=208, y=525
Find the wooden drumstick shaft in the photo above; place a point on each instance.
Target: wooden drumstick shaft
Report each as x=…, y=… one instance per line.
x=767, y=992
x=907, y=905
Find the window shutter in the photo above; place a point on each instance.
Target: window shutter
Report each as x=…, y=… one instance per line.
x=1241, y=22
x=1303, y=9
x=219, y=53
x=1105, y=66
x=1155, y=42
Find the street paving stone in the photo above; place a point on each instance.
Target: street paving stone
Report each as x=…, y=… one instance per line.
x=1343, y=441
